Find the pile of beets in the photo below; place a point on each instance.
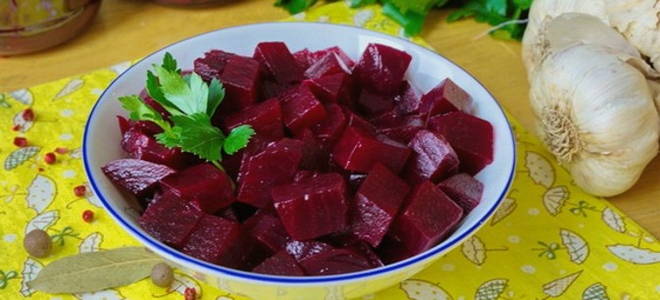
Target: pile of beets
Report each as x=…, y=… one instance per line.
x=350, y=168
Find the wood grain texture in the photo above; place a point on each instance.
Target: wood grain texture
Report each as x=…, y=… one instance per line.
x=129, y=29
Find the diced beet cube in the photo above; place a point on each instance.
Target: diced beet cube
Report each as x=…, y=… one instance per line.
x=303, y=249
x=279, y=62
x=404, y=128
x=265, y=118
x=374, y=104
x=281, y=264
x=433, y=158
x=391, y=251
x=136, y=176
x=335, y=261
x=444, y=98
x=358, y=151
x=327, y=65
x=353, y=120
x=232, y=163
x=428, y=216
x=241, y=79
x=331, y=88
x=170, y=220
x=348, y=240
x=336, y=50
x=267, y=230
x=381, y=68
x=315, y=157
x=409, y=100
x=304, y=58
x=124, y=124
x=376, y=203
x=215, y=240
x=205, y=186
x=228, y=214
x=387, y=119
x=463, y=189
x=330, y=129
x=313, y=207
x=304, y=175
x=471, y=138
x=271, y=89
x=139, y=145
x=273, y=166
x=212, y=64
x=301, y=109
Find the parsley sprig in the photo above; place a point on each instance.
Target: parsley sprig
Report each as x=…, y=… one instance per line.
x=191, y=103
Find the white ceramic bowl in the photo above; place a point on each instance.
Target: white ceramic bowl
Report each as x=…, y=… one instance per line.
x=101, y=145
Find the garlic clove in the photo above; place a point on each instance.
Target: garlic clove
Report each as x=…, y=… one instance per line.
x=535, y=43
x=577, y=28
x=596, y=114
x=639, y=22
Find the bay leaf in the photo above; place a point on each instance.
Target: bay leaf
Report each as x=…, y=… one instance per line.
x=95, y=271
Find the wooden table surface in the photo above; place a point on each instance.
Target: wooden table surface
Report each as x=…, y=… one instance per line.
x=129, y=29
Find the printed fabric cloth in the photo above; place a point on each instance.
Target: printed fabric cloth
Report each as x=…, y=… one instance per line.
x=548, y=240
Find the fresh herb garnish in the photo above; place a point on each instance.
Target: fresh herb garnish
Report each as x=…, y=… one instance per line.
x=192, y=104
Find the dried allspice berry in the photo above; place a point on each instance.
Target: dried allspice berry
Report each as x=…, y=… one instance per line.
x=162, y=275
x=38, y=243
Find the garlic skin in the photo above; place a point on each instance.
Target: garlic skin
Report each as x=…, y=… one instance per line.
x=535, y=43
x=596, y=114
x=639, y=22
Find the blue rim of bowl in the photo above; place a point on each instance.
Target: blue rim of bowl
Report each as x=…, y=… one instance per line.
x=309, y=279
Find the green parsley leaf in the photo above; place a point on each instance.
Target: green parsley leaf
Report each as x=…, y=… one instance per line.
x=295, y=6
x=176, y=90
x=238, y=138
x=198, y=136
x=358, y=3
x=216, y=95
x=141, y=111
x=170, y=64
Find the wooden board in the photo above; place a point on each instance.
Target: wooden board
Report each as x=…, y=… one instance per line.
x=129, y=29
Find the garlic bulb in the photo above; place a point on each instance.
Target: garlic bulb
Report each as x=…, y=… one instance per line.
x=535, y=44
x=639, y=22
x=596, y=115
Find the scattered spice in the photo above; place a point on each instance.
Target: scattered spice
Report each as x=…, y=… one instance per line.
x=50, y=158
x=20, y=142
x=61, y=150
x=80, y=190
x=16, y=127
x=38, y=243
x=28, y=115
x=190, y=294
x=162, y=275
x=88, y=216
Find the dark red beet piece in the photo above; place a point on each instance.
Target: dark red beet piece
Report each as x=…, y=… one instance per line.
x=336, y=50
x=330, y=64
x=302, y=250
x=215, y=240
x=348, y=240
x=212, y=64
x=464, y=189
x=170, y=220
x=274, y=166
x=301, y=109
x=140, y=145
x=353, y=120
x=358, y=151
x=331, y=88
x=315, y=157
x=409, y=100
x=471, y=138
x=241, y=79
x=281, y=264
x=304, y=175
x=330, y=129
x=335, y=261
x=374, y=104
x=205, y=186
x=428, y=216
x=279, y=62
x=391, y=251
x=265, y=118
x=381, y=68
x=404, y=128
x=376, y=203
x=313, y=207
x=136, y=176
x=271, y=89
x=304, y=58
x=267, y=230
x=444, y=98
x=433, y=158
x=124, y=124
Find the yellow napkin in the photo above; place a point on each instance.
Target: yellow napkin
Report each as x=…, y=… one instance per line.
x=548, y=240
